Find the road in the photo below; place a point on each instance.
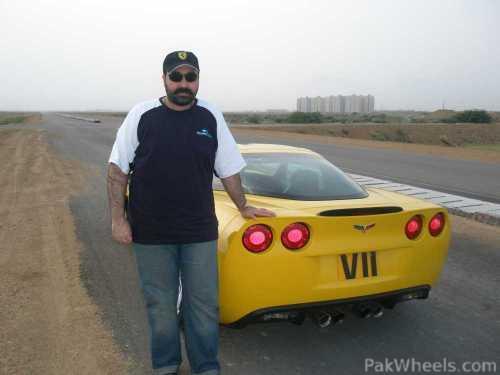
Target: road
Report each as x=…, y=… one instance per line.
x=469, y=178
x=459, y=321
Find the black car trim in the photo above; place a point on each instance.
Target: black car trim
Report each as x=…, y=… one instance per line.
x=362, y=211
x=392, y=295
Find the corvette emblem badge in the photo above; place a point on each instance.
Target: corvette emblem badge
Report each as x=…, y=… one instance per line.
x=363, y=228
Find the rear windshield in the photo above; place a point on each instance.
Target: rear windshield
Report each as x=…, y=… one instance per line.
x=295, y=176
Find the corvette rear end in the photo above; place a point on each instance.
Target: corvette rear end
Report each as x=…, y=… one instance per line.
x=348, y=255
x=322, y=257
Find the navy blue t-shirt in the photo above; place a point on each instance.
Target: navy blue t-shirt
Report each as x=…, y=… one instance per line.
x=171, y=172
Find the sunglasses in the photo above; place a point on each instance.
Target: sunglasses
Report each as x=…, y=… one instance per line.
x=177, y=76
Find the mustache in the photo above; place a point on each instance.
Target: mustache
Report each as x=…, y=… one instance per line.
x=183, y=90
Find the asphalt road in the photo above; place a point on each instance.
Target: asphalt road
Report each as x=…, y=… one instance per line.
x=468, y=178
x=459, y=321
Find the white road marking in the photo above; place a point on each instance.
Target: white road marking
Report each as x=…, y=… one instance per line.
x=451, y=201
x=87, y=119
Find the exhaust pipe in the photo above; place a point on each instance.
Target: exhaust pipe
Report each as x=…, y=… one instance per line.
x=337, y=317
x=378, y=311
x=363, y=311
x=325, y=318
x=321, y=318
x=369, y=310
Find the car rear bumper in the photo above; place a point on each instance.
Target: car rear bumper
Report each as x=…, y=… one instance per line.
x=387, y=300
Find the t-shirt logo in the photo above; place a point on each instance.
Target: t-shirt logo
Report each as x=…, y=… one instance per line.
x=204, y=132
x=182, y=55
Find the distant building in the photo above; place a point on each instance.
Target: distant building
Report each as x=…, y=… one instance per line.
x=337, y=104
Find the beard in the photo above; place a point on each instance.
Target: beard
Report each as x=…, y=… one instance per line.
x=181, y=100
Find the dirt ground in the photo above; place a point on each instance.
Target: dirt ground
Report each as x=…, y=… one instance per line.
x=48, y=324
x=448, y=152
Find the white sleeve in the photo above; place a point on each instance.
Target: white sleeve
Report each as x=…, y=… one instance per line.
x=228, y=159
x=126, y=141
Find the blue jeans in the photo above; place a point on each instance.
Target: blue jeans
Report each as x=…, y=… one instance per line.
x=160, y=267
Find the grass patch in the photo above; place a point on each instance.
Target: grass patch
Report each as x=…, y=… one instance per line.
x=378, y=136
x=394, y=136
x=452, y=135
x=11, y=118
x=4, y=120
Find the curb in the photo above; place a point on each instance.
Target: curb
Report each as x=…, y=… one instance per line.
x=480, y=217
x=481, y=211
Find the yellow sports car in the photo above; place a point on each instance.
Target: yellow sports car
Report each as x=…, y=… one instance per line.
x=333, y=247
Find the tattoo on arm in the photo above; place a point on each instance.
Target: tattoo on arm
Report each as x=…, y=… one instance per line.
x=232, y=185
x=117, y=186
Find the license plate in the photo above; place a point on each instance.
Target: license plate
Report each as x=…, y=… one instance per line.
x=358, y=265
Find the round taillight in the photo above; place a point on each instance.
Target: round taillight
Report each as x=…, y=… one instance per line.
x=413, y=227
x=295, y=236
x=257, y=238
x=436, y=224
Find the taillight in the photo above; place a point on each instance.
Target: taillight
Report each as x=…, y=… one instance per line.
x=413, y=227
x=295, y=236
x=436, y=224
x=257, y=238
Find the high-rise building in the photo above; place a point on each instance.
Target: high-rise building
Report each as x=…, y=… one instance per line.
x=337, y=104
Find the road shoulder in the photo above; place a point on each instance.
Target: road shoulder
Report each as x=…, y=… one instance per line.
x=49, y=323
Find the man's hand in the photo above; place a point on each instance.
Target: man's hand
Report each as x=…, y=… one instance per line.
x=250, y=212
x=121, y=232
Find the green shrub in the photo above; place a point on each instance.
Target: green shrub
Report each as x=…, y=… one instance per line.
x=253, y=119
x=12, y=120
x=305, y=118
x=474, y=116
x=379, y=118
x=379, y=136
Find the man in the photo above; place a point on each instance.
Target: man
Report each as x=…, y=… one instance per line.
x=167, y=150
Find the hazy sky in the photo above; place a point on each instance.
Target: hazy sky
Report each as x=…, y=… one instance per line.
x=254, y=55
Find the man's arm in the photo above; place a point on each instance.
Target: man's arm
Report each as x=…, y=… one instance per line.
x=232, y=185
x=117, y=187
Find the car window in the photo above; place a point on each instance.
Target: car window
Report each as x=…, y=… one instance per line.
x=265, y=167
x=295, y=176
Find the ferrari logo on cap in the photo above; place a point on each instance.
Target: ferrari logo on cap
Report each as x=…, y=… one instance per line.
x=182, y=55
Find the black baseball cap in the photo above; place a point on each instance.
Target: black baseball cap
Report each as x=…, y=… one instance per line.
x=180, y=58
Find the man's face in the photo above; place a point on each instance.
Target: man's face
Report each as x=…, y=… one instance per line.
x=181, y=93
